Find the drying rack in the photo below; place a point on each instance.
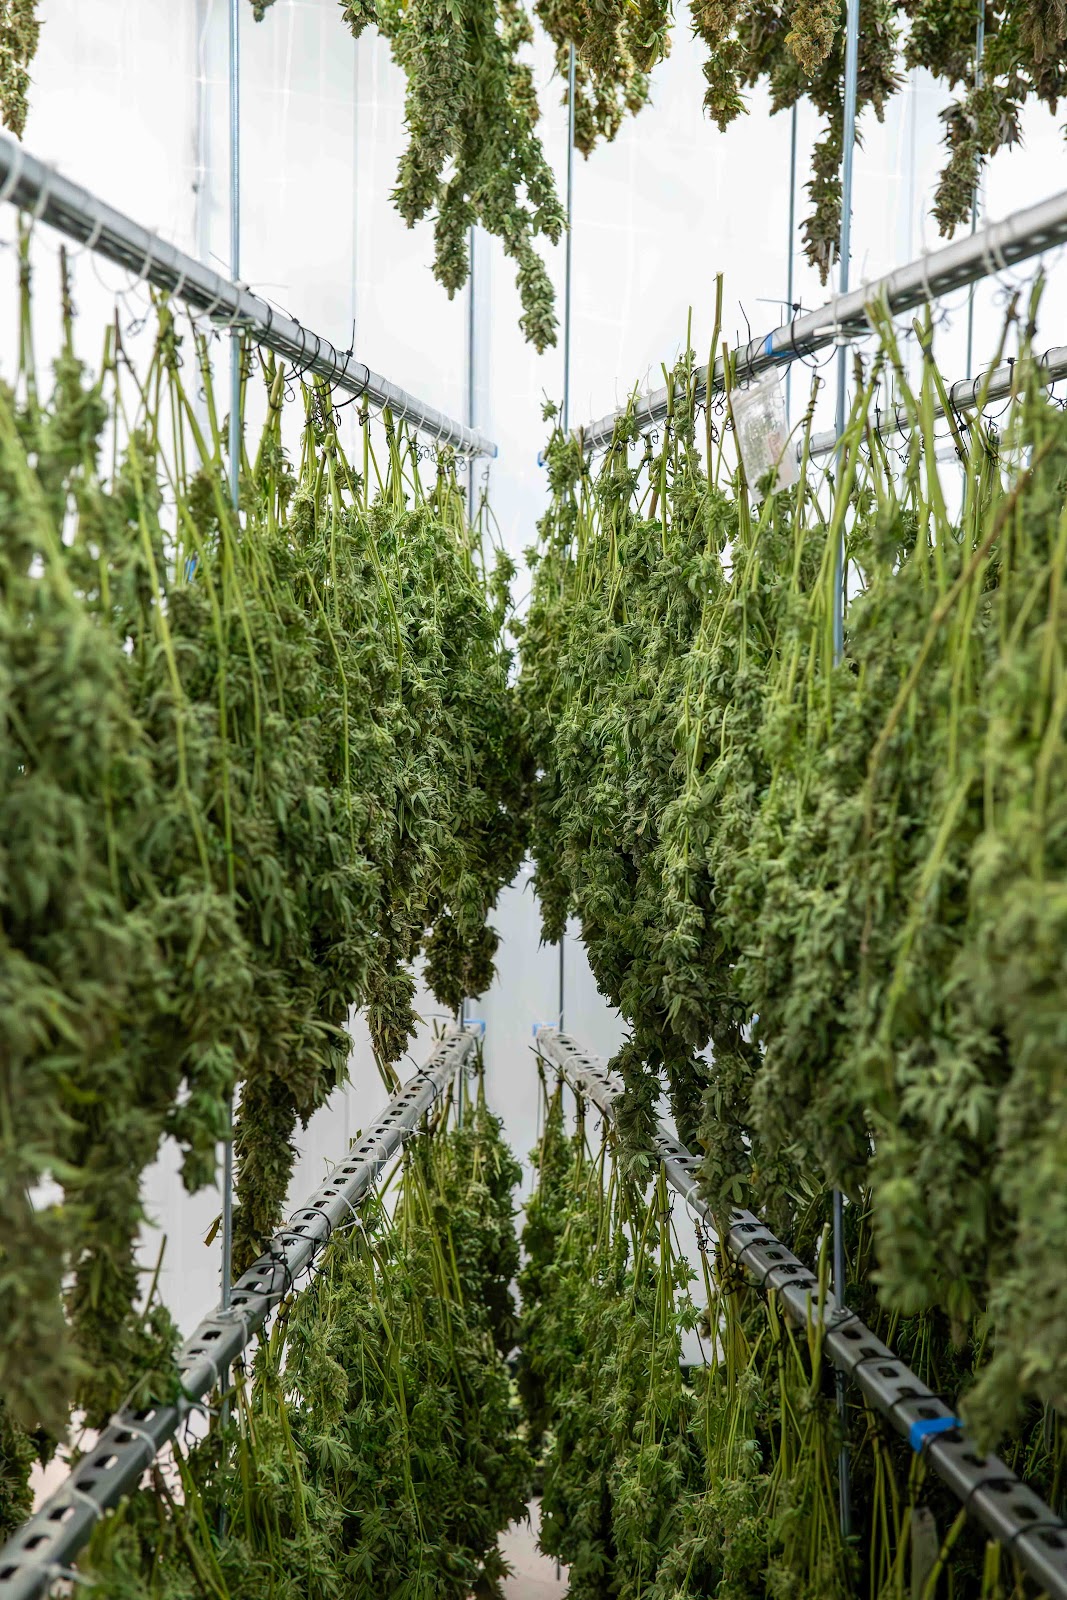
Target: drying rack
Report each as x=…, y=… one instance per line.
x=990, y=250
x=44, y=193
x=43, y=1548
x=994, y=1495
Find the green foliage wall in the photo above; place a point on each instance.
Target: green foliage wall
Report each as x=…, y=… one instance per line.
x=846, y=879
x=661, y=1480
x=250, y=769
x=374, y=1448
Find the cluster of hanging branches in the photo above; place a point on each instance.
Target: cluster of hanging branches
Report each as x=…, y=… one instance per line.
x=252, y=768
x=473, y=154
x=372, y=1447
x=827, y=894
x=672, y=1470
x=795, y=51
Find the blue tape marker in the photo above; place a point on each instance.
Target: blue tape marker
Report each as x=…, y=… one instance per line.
x=537, y=1026
x=775, y=355
x=921, y=1430
x=476, y=1022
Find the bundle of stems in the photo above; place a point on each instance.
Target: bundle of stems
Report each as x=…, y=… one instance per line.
x=373, y=1446
x=827, y=893
x=253, y=763
x=662, y=1480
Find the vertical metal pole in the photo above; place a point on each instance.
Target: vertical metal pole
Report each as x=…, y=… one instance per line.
x=566, y=417
x=235, y=470
x=471, y=378
x=792, y=250
x=848, y=145
x=472, y=491
x=979, y=47
x=567, y=246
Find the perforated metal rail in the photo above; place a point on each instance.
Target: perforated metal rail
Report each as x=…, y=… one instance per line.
x=44, y=1547
x=1008, y=1510
x=35, y=187
x=992, y=249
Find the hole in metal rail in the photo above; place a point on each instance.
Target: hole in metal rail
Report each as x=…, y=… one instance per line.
x=849, y=1333
x=1027, y=1513
x=9, y=1571
x=61, y=1513
x=887, y=1372
x=869, y=1350
x=1049, y=1536
x=42, y=1538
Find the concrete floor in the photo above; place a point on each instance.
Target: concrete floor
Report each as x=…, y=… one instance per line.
x=533, y=1575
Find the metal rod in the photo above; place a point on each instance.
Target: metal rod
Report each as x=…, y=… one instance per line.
x=567, y=256
x=59, y=1528
x=848, y=150
x=979, y=47
x=1003, y=381
x=1012, y=1513
x=792, y=250
x=566, y=413
x=33, y=186
x=472, y=353
x=226, y=1266
x=992, y=249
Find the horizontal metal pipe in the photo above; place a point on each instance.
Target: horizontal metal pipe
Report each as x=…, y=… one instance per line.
x=44, y=1547
x=993, y=1494
x=964, y=395
x=992, y=249
x=33, y=186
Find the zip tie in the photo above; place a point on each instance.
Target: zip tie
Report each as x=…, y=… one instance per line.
x=233, y=1313
x=1025, y=1528
x=146, y=266
x=80, y=1497
x=209, y=311
x=56, y=1569
x=46, y=193
x=122, y=1425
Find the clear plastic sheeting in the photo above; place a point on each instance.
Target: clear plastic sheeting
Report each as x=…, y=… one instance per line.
x=763, y=433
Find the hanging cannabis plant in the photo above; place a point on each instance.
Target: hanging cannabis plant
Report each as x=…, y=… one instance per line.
x=823, y=893
x=374, y=1447
x=251, y=769
x=664, y=1481
x=20, y=30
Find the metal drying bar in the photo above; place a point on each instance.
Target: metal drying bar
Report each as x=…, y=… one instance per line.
x=1009, y=1511
x=992, y=249
x=44, y=1547
x=963, y=396
x=33, y=186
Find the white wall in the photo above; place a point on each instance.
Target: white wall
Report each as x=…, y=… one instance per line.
x=130, y=99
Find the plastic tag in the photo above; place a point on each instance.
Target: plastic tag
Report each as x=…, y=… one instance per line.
x=763, y=432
